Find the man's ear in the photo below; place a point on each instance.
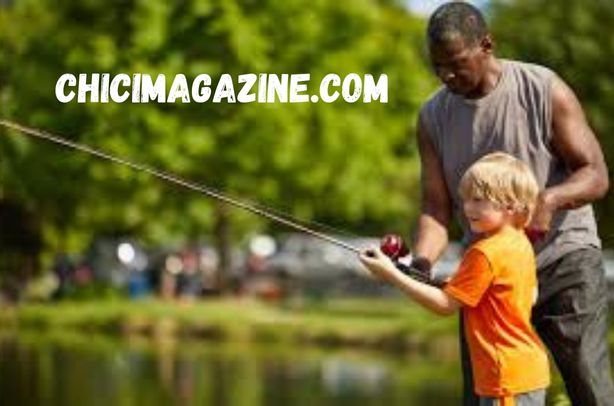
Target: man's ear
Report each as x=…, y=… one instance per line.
x=487, y=44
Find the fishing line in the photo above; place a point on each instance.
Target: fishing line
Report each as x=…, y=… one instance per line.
x=273, y=215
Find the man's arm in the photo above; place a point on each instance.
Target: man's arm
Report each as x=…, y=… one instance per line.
x=431, y=234
x=576, y=144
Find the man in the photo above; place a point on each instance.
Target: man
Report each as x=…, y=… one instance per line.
x=488, y=104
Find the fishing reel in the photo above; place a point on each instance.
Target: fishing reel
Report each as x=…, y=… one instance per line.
x=393, y=246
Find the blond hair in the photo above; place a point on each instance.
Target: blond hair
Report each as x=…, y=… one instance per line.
x=503, y=180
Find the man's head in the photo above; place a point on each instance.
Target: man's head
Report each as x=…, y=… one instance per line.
x=498, y=185
x=459, y=46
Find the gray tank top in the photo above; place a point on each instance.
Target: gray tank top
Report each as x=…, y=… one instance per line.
x=516, y=117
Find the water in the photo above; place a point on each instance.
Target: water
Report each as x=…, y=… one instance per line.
x=80, y=370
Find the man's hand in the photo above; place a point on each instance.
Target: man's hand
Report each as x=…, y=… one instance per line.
x=542, y=217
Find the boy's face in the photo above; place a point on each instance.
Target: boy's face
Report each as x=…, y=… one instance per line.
x=484, y=216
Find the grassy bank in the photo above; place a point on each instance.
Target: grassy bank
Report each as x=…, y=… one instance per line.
x=385, y=324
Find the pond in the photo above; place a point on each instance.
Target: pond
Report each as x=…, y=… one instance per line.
x=45, y=369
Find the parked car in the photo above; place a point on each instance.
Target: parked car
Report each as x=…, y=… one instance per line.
x=304, y=256
x=307, y=265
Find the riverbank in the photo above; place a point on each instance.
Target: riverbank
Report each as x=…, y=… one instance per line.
x=394, y=325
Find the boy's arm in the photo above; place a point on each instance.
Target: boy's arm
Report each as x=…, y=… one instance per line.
x=430, y=297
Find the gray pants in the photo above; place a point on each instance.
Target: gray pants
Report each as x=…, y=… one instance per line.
x=533, y=398
x=571, y=317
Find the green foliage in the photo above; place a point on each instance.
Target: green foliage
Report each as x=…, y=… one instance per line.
x=353, y=165
x=384, y=324
x=576, y=39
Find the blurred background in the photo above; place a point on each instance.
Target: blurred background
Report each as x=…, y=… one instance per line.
x=141, y=257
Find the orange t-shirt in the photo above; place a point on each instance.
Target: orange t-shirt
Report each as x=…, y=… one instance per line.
x=496, y=284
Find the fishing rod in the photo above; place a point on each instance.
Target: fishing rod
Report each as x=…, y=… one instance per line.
x=172, y=178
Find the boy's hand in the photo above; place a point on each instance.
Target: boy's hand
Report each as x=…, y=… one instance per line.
x=378, y=263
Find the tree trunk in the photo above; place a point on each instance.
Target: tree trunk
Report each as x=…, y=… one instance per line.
x=20, y=247
x=222, y=229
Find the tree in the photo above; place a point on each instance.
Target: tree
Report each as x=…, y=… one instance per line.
x=353, y=165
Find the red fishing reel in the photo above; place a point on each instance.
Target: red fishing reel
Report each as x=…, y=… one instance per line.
x=417, y=267
x=393, y=246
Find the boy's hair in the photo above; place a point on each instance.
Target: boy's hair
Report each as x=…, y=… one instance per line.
x=503, y=180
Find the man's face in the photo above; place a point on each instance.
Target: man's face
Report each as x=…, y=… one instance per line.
x=459, y=66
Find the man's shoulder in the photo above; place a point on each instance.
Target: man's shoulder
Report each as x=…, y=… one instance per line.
x=436, y=98
x=435, y=105
x=529, y=71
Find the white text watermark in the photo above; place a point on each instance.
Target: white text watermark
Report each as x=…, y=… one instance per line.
x=247, y=88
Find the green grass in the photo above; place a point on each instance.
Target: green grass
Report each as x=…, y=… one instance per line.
x=393, y=324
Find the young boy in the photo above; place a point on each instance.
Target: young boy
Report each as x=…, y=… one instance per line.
x=495, y=284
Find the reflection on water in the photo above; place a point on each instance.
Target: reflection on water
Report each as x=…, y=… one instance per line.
x=80, y=370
